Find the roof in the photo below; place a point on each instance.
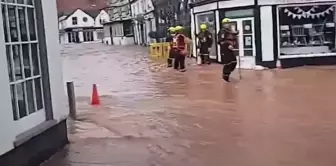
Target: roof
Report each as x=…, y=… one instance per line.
x=92, y=13
x=66, y=7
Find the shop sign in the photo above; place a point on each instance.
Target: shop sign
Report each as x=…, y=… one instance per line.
x=274, y=2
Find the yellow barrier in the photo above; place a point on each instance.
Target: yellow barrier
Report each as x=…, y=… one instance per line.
x=165, y=50
x=159, y=50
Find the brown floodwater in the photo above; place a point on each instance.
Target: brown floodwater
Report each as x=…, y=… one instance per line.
x=154, y=116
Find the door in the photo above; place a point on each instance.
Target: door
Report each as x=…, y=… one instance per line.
x=245, y=47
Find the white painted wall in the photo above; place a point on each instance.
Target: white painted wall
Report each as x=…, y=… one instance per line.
x=9, y=128
x=235, y=3
x=267, y=44
x=80, y=23
x=123, y=40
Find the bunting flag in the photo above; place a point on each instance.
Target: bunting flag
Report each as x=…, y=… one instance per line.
x=308, y=14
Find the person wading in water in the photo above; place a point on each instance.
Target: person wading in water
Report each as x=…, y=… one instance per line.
x=204, y=44
x=180, y=49
x=227, y=39
x=169, y=39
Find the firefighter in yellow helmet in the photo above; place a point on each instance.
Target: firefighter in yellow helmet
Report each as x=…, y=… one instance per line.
x=179, y=49
x=227, y=41
x=169, y=39
x=204, y=44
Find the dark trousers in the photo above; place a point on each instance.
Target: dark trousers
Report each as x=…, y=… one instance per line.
x=205, y=58
x=229, y=68
x=170, y=59
x=179, y=62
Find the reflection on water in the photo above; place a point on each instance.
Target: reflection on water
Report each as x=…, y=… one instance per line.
x=166, y=118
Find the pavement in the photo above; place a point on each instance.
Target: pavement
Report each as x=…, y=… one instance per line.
x=154, y=116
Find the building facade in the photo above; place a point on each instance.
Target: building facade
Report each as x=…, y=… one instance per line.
x=143, y=20
x=33, y=106
x=119, y=30
x=82, y=26
x=273, y=32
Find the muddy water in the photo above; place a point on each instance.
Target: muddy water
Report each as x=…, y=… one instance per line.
x=153, y=116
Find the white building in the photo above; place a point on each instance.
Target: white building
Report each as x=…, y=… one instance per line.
x=119, y=30
x=33, y=106
x=144, y=21
x=82, y=26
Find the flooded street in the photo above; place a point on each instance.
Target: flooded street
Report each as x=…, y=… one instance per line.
x=154, y=116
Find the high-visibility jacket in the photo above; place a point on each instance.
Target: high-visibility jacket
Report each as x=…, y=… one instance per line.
x=179, y=42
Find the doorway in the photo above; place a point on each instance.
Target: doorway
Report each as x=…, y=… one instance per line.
x=245, y=47
x=73, y=37
x=88, y=36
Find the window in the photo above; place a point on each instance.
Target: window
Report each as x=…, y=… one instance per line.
x=128, y=28
x=143, y=6
x=308, y=29
x=100, y=34
x=74, y=21
x=85, y=19
x=73, y=37
x=23, y=58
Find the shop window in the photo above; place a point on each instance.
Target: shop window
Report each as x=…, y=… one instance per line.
x=128, y=28
x=209, y=19
x=73, y=37
x=74, y=21
x=23, y=58
x=88, y=36
x=307, y=29
x=100, y=34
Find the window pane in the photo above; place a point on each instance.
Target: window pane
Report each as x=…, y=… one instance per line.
x=20, y=1
x=9, y=63
x=13, y=97
x=30, y=97
x=12, y=23
x=26, y=60
x=17, y=62
x=29, y=2
x=302, y=32
x=22, y=22
x=35, y=58
x=31, y=22
x=21, y=99
x=38, y=93
x=4, y=22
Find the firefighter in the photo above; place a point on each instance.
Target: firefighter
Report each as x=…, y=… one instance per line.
x=169, y=38
x=204, y=44
x=227, y=41
x=180, y=49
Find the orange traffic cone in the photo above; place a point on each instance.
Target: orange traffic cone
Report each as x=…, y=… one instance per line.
x=95, y=97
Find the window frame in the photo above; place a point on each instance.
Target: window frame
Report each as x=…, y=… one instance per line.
x=74, y=20
x=33, y=119
x=278, y=7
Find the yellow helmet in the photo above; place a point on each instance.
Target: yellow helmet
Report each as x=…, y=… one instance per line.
x=225, y=20
x=178, y=28
x=171, y=29
x=203, y=26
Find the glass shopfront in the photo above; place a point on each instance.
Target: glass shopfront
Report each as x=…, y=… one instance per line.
x=306, y=29
x=209, y=19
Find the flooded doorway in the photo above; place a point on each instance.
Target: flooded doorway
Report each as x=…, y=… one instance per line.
x=246, y=45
